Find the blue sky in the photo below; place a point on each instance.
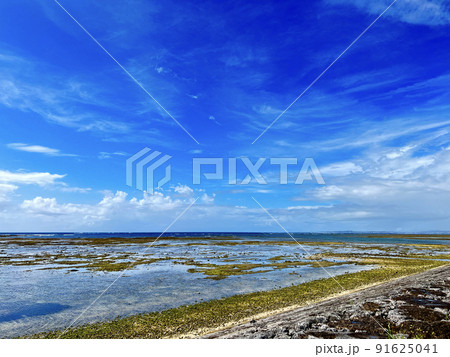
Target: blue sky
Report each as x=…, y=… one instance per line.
x=376, y=123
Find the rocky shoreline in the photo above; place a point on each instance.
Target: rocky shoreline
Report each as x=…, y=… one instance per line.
x=416, y=306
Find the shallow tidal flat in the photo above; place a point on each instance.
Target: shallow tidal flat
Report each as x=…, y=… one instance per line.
x=47, y=282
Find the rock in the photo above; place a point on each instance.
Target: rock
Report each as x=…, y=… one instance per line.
x=269, y=334
x=395, y=317
x=303, y=325
x=442, y=311
x=334, y=317
x=282, y=337
x=400, y=336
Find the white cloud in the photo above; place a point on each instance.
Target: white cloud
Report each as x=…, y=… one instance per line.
x=49, y=206
x=63, y=102
x=372, y=133
x=184, y=190
x=156, y=202
x=350, y=204
x=195, y=151
x=307, y=207
x=395, y=187
x=109, y=155
x=10, y=180
x=341, y=169
x=29, y=178
x=5, y=190
x=37, y=149
x=213, y=118
x=75, y=189
x=209, y=200
x=113, y=207
x=393, y=154
x=401, y=168
x=351, y=191
x=263, y=191
x=107, y=126
x=423, y=12
x=266, y=109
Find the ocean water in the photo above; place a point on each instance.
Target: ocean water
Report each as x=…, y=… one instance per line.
x=368, y=237
x=49, y=295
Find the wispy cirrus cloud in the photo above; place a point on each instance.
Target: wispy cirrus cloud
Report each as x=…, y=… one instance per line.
x=422, y=12
x=103, y=155
x=39, y=149
x=56, y=105
x=87, y=103
x=372, y=133
x=67, y=188
x=341, y=169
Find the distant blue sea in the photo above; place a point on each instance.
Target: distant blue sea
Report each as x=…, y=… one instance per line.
x=360, y=237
